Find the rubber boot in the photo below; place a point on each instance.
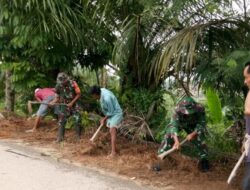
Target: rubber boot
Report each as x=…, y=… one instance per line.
x=78, y=129
x=204, y=165
x=61, y=132
x=156, y=167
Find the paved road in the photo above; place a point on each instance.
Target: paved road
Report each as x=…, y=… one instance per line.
x=24, y=169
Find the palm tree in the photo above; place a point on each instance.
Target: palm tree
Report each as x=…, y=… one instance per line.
x=162, y=38
x=42, y=33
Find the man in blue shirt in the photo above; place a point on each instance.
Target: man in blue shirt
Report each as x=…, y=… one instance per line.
x=111, y=110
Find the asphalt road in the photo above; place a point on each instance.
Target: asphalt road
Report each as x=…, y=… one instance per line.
x=21, y=168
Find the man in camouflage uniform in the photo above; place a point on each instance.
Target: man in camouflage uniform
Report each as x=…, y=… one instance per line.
x=67, y=92
x=190, y=117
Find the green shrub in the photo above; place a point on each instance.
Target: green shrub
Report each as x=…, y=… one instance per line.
x=218, y=143
x=86, y=122
x=214, y=106
x=140, y=102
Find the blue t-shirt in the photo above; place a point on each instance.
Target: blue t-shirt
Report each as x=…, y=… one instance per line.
x=109, y=103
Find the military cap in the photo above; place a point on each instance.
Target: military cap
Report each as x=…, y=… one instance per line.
x=186, y=106
x=62, y=78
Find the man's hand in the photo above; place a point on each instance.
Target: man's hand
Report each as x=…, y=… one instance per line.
x=51, y=104
x=176, y=142
x=176, y=145
x=242, y=148
x=38, y=99
x=70, y=105
x=191, y=136
x=103, y=120
x=54, y=101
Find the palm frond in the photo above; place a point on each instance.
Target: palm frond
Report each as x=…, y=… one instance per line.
x=180, y=51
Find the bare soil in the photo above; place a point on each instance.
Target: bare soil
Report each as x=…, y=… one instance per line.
x=134, y=161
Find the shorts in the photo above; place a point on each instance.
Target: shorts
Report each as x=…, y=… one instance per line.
x=114, y=121
x=43, y=108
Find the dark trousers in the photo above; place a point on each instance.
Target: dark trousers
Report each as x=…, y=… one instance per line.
x=246, y=179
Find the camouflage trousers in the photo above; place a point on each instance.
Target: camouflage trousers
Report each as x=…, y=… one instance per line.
x=63, y=116
x=168, y=142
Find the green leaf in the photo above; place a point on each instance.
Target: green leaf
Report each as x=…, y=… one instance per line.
x=232, y=63
x=214, y=105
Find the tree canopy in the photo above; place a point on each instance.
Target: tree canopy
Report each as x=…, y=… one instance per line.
x=146, y=41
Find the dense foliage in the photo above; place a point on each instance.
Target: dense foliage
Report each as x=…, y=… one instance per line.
x=131, y=47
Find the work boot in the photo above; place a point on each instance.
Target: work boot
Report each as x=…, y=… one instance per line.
x=156, y=167
x=58, y=140
x=204, y=165
x=78, y=129
x=60, y=136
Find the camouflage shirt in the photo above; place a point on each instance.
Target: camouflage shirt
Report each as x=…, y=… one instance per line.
x=189, y=116
x=67, y=92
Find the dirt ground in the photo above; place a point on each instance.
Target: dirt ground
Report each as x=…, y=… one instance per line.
x=134, y=161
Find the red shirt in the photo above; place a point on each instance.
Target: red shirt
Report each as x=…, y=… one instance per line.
x=44, y=93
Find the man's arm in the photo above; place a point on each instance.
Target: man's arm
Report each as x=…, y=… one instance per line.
x=191, y=136
x=55, y=100
x=247, y=104
x=173, y=129
x=74, y=100
x=176, y=142
x=37, y=98
x=105, y=110
x=78, y=94
x=103, y=120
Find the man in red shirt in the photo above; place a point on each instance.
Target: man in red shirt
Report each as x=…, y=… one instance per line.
x=45, y=95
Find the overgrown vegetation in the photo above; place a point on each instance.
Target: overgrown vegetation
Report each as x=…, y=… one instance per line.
x=132, y=48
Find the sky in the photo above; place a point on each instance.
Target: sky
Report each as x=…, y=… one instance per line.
x=238, y=5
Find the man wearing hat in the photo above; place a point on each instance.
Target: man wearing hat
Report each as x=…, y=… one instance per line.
x=67, y=92
x=190, y=117
x=44, y=95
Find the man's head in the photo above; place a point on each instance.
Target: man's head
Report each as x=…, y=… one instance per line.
x=95, y=92
x=36, y=90
x=186, y=106
x=246, y=74
x=62, y=78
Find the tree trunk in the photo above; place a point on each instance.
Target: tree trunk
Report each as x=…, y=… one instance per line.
x=102, y=77
x=245, y=9
x=105, y=77
x=97, y=77
x=9, y=93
